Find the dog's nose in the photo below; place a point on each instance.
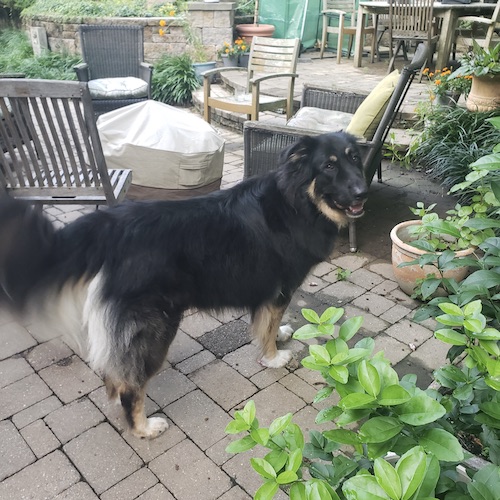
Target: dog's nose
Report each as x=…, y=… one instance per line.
x=360, y=192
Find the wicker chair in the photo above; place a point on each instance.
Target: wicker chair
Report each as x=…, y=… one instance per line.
x=263, y=142
x=114, y=66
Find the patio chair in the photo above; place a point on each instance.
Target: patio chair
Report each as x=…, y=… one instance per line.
x=411, y=21
x=114, y=66
x=485, y=31
x=344, y=11
x=270, y=58
x=51, y=151
x=263, y=142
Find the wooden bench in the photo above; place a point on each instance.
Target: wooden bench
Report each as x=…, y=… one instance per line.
x=50, y=150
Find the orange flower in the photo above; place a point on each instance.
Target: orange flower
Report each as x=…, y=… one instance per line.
x=161, y=32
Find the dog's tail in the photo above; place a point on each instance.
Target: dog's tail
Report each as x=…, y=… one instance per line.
x=27, y=243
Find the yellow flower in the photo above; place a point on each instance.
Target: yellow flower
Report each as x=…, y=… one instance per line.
x=437, y=82
x=172, y=13
x=161, y=32
x=163, y=22
x=243, y=47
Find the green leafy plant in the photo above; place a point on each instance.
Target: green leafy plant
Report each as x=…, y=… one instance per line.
x=443, y=81
x=342, y=274
x=174, y=80
x=480, y=61
x=381, y=418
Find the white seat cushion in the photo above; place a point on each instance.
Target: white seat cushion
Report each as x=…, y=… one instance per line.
x=324, y=120
x=118, y=88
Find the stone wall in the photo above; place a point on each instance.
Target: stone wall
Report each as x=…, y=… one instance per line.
x=212, y=23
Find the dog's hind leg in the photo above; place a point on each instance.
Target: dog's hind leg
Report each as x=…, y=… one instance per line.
x=266, y=330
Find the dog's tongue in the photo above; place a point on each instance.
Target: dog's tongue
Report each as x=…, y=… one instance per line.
x=355, y=210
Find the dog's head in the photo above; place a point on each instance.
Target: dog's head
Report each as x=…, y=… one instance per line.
x=328, y=170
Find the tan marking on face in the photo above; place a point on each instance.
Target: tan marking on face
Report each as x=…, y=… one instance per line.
x=335, y=215
x=333, y=158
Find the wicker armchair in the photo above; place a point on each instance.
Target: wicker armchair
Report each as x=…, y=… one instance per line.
x=114, y=66
x=263, y=142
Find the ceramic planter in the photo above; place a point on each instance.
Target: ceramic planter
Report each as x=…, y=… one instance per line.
x=402, y=252
x=448, y=99
x=484, y=93
x=229, y=61
x=200, y=68
x=250, y=30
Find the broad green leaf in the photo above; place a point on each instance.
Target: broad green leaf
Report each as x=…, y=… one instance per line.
x=350, y=327
x=307, y=332
x=294, y=460
x=490, y=408
x=319, y=490
x=420, y=410
x=277, y=459
x=323, y=394
x=393, y=395
x=491, y=347
x=411, y=470
x=298, y=491
x=488, y=334
x=350, y=416
x=449, y=320
x=380, y=429
x=328, y=414
x=368, y=377
x=363, y=487
x=339, y=373
x=236, y=426
x=356, y=401
x=310, y=316
x=286, y=477
x=266, y=491
x=263, y=467
x=353, y=355
x=260, y=436
x=450, y=308
x=343, y=436
x=244, y=444
x=442, y=444
x=320, y=354
x=331, y=315
x=450, y=336
x=387, y=478
x=280, y=424
x=487, y=279
x=474, y=324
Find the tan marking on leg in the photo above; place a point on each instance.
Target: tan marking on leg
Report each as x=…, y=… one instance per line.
x=337, y=216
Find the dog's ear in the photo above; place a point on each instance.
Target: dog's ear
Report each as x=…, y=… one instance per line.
x=294, y=154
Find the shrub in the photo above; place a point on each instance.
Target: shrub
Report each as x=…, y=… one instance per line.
x=174, y=80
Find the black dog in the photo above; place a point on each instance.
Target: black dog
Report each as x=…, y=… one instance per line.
x=131, y=271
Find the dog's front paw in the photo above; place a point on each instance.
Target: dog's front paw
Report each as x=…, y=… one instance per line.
x=154, y=427
x=284, y=333
x=281, y=359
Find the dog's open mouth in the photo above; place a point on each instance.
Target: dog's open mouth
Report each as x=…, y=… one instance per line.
x=353, y=211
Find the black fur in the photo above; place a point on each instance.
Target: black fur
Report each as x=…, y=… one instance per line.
x=248, y=247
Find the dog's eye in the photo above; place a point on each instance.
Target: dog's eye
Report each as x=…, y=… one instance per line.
x=331, y=163
x=352, y=155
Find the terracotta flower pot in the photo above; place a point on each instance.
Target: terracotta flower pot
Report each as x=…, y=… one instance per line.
x=248, y=31
x=484, y=94
x=402, y=252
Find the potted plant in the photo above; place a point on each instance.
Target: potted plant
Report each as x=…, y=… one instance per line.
x=483, y=64
x=446, y=89
x=235, y=54
x=389, y=438
x=256, y=29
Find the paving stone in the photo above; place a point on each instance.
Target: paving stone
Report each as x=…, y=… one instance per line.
x=22, y=394
x=70, y=379
x=394, y=350
x=244, y=360
x=73, y=419
x=194, y=362
x=168, y=386
x=431, y=354
x=382, y=268
x=45, y=478
x=14, y=339
x=132, y=486
x=15, y=453
x=223, y=384
x=270, y=375
x=365, y=278
x=182, y=348
x=313, y=284
x=395, y=313
x=226, y=338
x=116, y=459
x=350, y=261
x=79, y=491
x=157, y=492
x=189, y=474
x=6, y=317
x=217, y=453
x=200, y=418
x=409, y=332
x=228, y=315
x=40, y=438
x=341, y=292
x=323, y=268
x=274, y=401
x=48, y=353
x=305, y=418
x=375, y=304
x=12, y=370
x=197, y=324
x=235, y=493
x=148, y=449
x=299, y=387
x=36, y=411
x=399, y=297
x=384, y=288
x=371, y=323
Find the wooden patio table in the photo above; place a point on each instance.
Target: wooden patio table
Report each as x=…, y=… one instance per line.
x=449, y=13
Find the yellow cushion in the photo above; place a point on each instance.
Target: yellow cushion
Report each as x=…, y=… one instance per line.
x=370, y=112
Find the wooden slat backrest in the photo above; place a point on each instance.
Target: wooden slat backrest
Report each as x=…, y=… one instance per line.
x=49, y=138
x=410, y=17
x=348, y=6
x=273, y=55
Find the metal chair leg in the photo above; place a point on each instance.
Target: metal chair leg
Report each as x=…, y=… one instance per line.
x=353, y=246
